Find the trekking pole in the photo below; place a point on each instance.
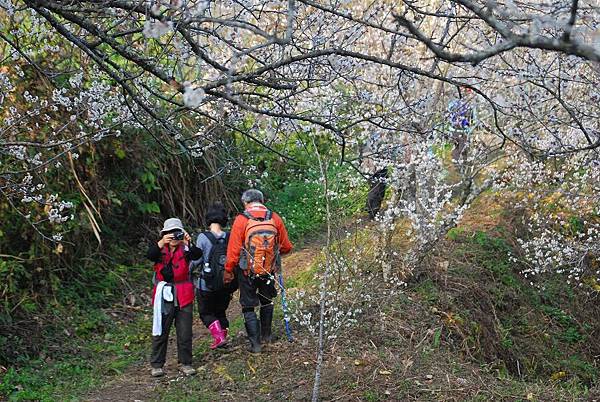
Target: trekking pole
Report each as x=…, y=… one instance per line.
x=286, y=317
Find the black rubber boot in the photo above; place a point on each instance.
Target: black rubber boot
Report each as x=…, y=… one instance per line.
x=253, y=331
x=266, y=318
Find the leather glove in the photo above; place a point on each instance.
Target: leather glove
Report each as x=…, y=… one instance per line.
x=227, y=277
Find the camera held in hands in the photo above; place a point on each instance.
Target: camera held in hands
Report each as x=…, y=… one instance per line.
x=178, y=235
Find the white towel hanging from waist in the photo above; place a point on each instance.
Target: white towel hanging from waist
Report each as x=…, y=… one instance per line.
x=158, y=301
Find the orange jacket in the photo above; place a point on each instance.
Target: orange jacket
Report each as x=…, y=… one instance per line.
x=236, y=237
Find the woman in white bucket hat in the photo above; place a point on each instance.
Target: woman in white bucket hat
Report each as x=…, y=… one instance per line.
x=173, y=295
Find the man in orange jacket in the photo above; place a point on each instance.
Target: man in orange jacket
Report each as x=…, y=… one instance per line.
x=258, y=237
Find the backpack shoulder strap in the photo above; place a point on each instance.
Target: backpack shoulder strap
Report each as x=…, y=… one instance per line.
x=211, y=237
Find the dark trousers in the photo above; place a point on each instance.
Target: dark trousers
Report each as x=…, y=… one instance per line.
x=460, y=146
x=255, y=290
x=183, y=326
x=376, y=192
x=213, y=306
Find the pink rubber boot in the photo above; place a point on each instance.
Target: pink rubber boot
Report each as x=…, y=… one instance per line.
x=217, y=333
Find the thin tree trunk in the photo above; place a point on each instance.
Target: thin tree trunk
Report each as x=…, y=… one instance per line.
x=385, y=236
x=322, y=301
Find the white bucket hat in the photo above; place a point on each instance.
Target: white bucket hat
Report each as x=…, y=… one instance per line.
x=172, y=224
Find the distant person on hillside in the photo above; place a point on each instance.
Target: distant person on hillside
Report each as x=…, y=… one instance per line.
x=173, y=295
x=258, y=237
x=212, y=294
x=377, y=174
x=376, y=194
x=462, y=118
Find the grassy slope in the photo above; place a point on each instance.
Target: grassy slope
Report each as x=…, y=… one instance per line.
x=86, y=363
x=467, y=327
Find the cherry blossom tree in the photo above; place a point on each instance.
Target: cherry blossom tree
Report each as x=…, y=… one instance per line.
x=462, y=95
x=345, y=70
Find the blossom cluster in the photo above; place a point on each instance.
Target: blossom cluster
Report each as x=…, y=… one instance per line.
x=560, y=199
x=351, y=292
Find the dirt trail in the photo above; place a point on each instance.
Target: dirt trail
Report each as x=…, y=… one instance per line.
x=136, y=384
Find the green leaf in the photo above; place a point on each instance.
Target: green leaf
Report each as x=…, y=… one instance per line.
x=120, y=153
x=149, y=208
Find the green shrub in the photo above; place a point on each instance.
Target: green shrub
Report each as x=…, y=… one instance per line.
x=302, y=205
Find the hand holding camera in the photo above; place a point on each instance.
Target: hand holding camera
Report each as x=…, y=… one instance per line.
x=175, y=235
x=165, y=240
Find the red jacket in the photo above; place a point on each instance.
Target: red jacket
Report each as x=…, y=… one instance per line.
x=181, y=274
x=236, y=237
